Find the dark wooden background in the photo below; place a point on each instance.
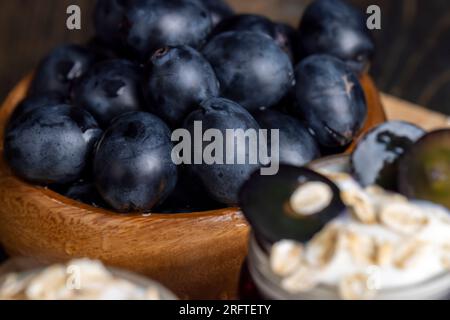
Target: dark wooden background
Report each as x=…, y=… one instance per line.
x=413, y=46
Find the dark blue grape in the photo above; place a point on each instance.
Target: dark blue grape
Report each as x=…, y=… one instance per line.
x=252, y=69
x=60, y=69
x=153, y=24
x=51, y=145
x=335, y=27
x=296, y=145
x=110, y=89
x=223, y=180
x=133, y=168
x=375, y=158
x=330, y=99
x=180, y=78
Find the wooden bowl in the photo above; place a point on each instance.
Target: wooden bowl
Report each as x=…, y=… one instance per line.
x=197, y=255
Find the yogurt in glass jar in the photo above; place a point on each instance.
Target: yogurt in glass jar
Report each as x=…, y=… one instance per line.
x=383, y=247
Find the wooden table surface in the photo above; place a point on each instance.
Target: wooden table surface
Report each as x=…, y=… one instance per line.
x=398, y=109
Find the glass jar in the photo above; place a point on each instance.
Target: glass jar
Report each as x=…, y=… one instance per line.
x=25, y=267
x=259, y=282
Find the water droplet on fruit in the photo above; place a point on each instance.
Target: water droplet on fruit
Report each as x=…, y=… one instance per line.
x=70, y=248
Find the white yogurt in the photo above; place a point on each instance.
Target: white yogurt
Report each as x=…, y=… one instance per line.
x=388, y=243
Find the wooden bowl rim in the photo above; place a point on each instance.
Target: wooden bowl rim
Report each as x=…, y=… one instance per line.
x=8, y=106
